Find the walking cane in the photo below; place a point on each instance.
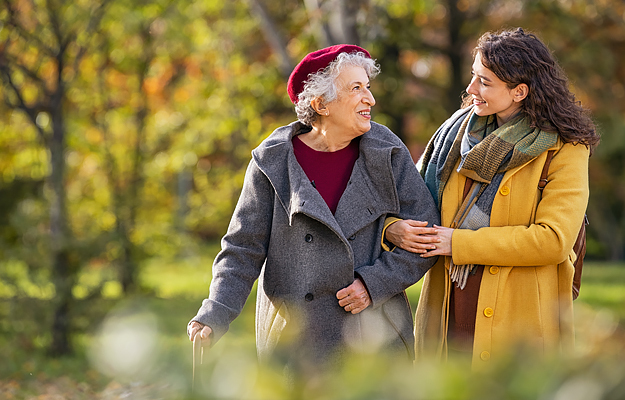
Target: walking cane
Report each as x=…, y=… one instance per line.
x=198, y=353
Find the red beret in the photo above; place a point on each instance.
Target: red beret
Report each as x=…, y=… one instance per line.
x=313, y=63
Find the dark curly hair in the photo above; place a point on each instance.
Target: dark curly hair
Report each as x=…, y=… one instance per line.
x=517, y=57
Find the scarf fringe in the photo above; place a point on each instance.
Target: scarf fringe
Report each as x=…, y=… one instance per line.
x=460, y=273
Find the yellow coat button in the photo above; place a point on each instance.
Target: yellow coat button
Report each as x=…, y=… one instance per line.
x=494, y=270
x=504, y=190
x=488, y=312
x=485, y=356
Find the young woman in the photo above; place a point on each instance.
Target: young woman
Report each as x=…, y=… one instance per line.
x=506, y=275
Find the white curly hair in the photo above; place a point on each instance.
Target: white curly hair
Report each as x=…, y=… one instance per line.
x=323, y=83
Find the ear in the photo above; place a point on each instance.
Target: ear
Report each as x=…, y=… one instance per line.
x=521, y=92
x=318, y=105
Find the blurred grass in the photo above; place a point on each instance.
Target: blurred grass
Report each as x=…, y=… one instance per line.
x=174, y=289
x=603, y=287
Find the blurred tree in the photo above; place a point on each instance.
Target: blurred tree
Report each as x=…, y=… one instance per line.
x=140, y=116
x=424, y=48
x=134, y=74
x=588, y=38
x=237, y=96
x=42, y=45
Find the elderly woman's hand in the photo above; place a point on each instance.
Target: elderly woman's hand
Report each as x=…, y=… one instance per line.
x=354, y=298
x=413, y=236
x=204, y=331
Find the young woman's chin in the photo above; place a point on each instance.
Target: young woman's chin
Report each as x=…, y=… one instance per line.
x=481, y=111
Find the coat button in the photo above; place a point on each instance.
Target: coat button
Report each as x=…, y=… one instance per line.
x=308, y=238
x=494, y=270
x=309, y=297
x=488, y=312
x=485, y=356
x=504, y=190
x=352, y=237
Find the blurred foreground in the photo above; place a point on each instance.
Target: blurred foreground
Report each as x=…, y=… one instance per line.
x=137, y=349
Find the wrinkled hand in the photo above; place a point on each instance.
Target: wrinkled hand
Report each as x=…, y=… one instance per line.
x=443, y=247
x=204, y=331
x=354, y=298
x=413, y=236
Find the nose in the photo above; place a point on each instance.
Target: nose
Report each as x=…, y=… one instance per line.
x=471, y=88
x=369, y=99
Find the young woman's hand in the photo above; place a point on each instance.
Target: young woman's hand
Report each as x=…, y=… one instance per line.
x=443, y=247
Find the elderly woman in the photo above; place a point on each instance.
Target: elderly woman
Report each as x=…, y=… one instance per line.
x=505, y=280
x=309, y=221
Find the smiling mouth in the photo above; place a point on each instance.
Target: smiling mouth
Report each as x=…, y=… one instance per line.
x=365, y=113
x=478, y=102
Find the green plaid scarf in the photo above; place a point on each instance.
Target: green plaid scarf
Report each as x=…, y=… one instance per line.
x=486, y=152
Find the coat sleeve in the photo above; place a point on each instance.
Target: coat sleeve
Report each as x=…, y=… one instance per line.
x=396, y=270
x=550, y=238
x=244, y=249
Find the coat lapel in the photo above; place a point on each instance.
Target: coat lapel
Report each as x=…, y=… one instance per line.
x=293, y=189
x=361, y=202
x=358, y=206
x=306, y=199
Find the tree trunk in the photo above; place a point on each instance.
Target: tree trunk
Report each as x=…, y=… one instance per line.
x=61, y=344
x=128, y=271
x=63, y=270
x=319, y=23
x=273, y=37
x=344, y=23
x=456, y=55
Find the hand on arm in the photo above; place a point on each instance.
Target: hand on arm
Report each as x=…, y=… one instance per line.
x=355, y=297
x=443, y=246
x=413, y=236
x=204, y=331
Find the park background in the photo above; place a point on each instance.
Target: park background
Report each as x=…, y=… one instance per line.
x=125, y=130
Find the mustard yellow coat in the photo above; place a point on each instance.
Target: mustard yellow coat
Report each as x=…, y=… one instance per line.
x=525, y=295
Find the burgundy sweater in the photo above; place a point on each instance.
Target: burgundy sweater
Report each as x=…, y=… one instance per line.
x=328, y=172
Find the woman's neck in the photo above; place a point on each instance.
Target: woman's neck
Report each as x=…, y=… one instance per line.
x=321, y=139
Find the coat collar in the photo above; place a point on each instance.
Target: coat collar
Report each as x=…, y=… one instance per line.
x=361, y=203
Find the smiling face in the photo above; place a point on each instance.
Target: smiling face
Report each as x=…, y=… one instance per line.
x=491, y=95
x=350, y=113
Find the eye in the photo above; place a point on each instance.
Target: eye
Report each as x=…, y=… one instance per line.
x=482, y=82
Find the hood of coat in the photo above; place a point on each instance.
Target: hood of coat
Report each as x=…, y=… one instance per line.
x=370, y=188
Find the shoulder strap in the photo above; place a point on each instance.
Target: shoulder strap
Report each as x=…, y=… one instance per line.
x=543, y=176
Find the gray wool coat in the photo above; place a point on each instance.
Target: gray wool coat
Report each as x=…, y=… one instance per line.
x=283, y=234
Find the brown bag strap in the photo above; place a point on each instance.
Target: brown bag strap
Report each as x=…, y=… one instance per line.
x=580, y=249
x=543, y=176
